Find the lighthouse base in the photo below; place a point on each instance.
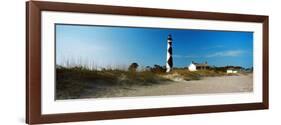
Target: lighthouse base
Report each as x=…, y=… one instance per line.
x=168, y=70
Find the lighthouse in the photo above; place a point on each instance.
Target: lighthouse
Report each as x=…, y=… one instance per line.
x=169, y=63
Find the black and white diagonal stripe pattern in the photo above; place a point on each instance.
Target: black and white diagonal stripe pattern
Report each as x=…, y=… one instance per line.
x=169, y=63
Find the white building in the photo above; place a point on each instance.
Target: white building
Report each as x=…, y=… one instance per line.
x=228, y=71
x=198, y=66
x=233, y=69
x=192, y=67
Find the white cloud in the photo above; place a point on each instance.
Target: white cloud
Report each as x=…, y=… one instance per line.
x=213, y=47
x=229, y=53
x=185, y=56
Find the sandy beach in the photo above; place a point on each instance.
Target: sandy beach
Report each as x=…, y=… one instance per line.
x=221, y=84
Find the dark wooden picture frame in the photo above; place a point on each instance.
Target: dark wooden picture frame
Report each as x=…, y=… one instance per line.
x=33, y=62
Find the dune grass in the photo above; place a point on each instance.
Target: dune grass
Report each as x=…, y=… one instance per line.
x=72, y=82
x=197, y=75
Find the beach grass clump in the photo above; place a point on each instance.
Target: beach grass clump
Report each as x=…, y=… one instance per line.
x=140, y=78
x=149, y=78
x=208, y=73
x=71, y=82
x=186, y=74
x=196, y=75
x=70, y=89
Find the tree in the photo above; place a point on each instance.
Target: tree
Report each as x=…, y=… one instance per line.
x=158, y=69
x=133, y=67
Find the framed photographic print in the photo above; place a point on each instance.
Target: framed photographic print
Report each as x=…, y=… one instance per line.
x=93, y=62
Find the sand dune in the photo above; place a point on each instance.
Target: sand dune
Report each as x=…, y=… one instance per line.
x=222, y=84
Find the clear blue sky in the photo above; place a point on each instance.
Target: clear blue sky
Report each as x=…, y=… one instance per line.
x=147, y=46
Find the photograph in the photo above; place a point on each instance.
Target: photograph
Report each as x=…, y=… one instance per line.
x=96, y=61
x=99, y=62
